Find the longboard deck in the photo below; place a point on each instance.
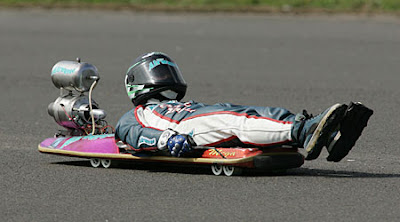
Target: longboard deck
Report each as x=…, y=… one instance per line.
x=104, y=147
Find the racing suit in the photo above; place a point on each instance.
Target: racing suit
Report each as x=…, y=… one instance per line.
x=222, y=124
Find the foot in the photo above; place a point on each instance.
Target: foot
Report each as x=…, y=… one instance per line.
x=314, y=132
x=351, y=127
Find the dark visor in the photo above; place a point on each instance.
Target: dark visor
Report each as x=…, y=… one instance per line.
x=158, y=71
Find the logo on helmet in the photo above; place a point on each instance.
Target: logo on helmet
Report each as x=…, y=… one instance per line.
x=156, y=62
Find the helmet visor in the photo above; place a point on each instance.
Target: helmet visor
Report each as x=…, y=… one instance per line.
x=156, y=72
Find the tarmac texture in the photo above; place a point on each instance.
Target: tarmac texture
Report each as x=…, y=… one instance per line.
x=296, y=62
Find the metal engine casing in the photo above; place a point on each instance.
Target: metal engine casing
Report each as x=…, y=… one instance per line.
x=74, y=75
x=72, y=111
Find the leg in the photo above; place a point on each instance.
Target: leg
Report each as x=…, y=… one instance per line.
x=246, y=126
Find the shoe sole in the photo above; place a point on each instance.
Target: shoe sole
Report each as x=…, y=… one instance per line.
x=326, y=126
x=351, y=127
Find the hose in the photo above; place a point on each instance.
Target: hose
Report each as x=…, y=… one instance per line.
x=91, y=107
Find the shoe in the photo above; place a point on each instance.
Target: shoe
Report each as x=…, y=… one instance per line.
x=313, y=132
x=351, y=127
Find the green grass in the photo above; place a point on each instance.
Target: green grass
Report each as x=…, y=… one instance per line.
x=234, y=5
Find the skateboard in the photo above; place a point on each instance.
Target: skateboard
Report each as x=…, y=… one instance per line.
x=102, y=151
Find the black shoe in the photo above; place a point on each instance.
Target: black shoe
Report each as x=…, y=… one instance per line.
x=351, y=127
x=315, y=131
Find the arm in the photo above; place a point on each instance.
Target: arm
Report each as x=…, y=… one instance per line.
x=141, y=138
x=130, y=131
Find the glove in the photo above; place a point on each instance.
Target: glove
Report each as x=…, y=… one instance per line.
x=177, y=144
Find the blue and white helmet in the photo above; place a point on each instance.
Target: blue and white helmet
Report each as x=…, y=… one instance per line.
x=154, y=75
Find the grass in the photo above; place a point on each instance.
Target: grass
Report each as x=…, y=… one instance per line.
x=380, y=6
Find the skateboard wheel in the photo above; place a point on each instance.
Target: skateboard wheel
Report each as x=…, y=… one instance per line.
x=95, y=162
x=232, y=171
x=106, y=163
x=216, y=169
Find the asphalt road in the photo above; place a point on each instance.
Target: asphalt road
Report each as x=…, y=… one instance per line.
x=298, y=63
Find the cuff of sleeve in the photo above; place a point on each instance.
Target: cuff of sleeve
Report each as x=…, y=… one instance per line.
x=164, y=137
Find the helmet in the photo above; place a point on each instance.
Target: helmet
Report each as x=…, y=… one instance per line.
x=154, y=75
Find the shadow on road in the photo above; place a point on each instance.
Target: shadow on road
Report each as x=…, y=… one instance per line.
x=146, y=166
x=205, y=170
x=339, y=173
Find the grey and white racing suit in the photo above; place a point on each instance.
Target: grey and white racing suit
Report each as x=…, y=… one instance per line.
x=222, y=124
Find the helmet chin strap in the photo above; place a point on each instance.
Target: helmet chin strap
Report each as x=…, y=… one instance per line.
x=157, y=101
x=163, y=97
x=169, y=94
